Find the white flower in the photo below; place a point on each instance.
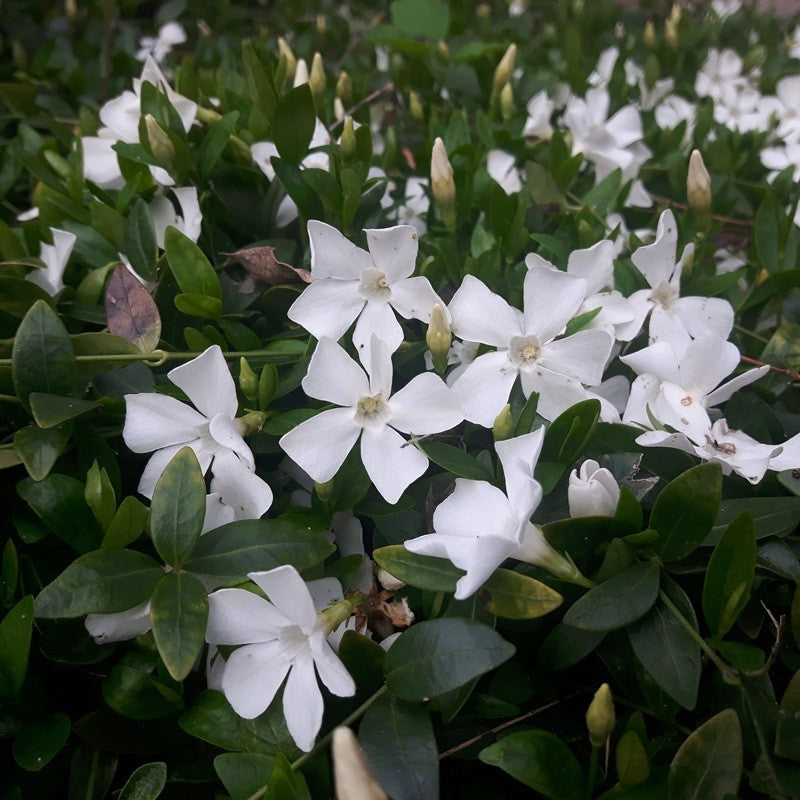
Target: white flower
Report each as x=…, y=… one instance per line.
x=794, y=43
x=673, y=317
x=55, y=257
x=160, y=423
x=188, y=222
x=368, y=410
x=744, y=109
x=787, y=109
x=592, y=491
x=263, y=153
x=526, y=345
x=502, y=167
x=679, y=384
x=780, y=158
x=416, y=203
x=352, y=283
x=672, y=111
x=160, y=46
x=601, y=75
x=540, y=109
x=724, y=8
x=734, y=450
x=120, y=118
x=279, y=637
x=721, y=69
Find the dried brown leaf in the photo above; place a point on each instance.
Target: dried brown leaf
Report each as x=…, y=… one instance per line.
x=262, y=264
x=131, y=311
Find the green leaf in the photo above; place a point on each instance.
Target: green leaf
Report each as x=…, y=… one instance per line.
x=455, y=460
x=528, y=415
x=139, y=240
x=178, y=508
x=685, y=510
x=15, y=643
x=243, y=774
x=146, y=782
x=424, y=572
x=293, y=123
x=42, y=358
x=192, y=270
x=128, y=523
x=215, y=142
x=428, y=19
x=516, y=596
x=667, y=651
x=39, y=740
x=400, y=747
x=199, y=305
x=102, y=582
x=179, y=612
x=435, y=656
x=766, y=232
x=633, y=766
x=284, y=783
x=50, y=410
x=542, y=187
x=231, y=551
x=783, y=349
x=772, y=516
x=538, y=759
x=17, y=296
x=566, y=646
x=59, y=502
x=709, y=763
x=131, y=689
x=730, y=573
x=619, y=601
x=39, y=449
x=99, y=495
x=569, y=433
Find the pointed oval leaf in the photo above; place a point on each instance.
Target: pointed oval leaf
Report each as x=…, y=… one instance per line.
x=424, y=572
x=179, y=612
x=189, y=265
x=15, y=643
x=293, y=123
x=39, y=449
x=708, y=765
x=38, y=741
x=139, y=240
x=131, y=311
x=146, y=782
x=243, y=774
x=438, y=655
x=619, y=601
x=50, y=410
x=178, y=508
x=516, y=596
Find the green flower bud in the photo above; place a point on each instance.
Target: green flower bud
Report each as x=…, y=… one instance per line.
x=251, y=422
x=505, y=68
x=267, y=385
x=416, y=107
x=160, y=144
x=506, y=102
x=650, y=34
x=344, y=88
x=337, y=613
x=443, y=186
x=288, y=56
x=439, y=337
x=600, y=716
x=698, y=186
x=248, y=382
x=317, y=80
x=503, y=427
x=347, y=144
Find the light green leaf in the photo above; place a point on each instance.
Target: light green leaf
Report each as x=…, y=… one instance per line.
x=50, y=410
x=128, y=523
x=39, y=449
x=516, y=596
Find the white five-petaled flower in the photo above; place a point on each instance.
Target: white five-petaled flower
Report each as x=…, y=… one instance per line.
x=160, y=423
x=351, y=283
x=673, y=317
x=368, y=410
x=678, y=384
x=721, y=69
x=592, y=491
x=279, y=637
x=160, y=46
x=55, y=257
x=120, y=118
x=526, y=345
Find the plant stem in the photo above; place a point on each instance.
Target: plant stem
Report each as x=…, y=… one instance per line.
x=594, y=763
x=325, y=740
x=726, y=670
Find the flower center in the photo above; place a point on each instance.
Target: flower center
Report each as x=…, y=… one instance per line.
x=664, y=295
x=374, y=285
x=371, y=411
x=524, y=350
x=726, y=448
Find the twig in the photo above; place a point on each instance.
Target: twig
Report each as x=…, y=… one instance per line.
x=497, y=729
x=795, y=376
x=776, y=647
x=355, y=41
x=389, y=87
x=668, y=201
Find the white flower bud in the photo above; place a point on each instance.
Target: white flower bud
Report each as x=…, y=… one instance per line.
x=317, y=80
x=698, y=185
x=300, y=73
x=600, y=716
x=388, y=581
x=592, y=492
x=442, y=184
x=351, y=773
x=439, y=337
x=289, y=57
x=505, y=68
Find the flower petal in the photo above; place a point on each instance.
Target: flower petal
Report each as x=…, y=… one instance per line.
x=331, y=670
x=327, y=307
x=484, y=386
x=100, y=165
x=333, y=255
x=473, y=509
x=425, y=405
x=518, y=456
x=726, y=390
x=391, y=462
x=208, y=383
x=153, y=421
x=302, y=703
x=222, y=430
x=656, y=261
x=552, y=298
x=658, y=359
x=377, y=319
x=121, y=626
x=479, y=315
x=248, y=495
x=379, y=367
x=414, y=298
x=252, y=676
x=203, y=448
x=333, y=376
x=708, y=360
x=321, y=444
x=236, y=616
x=394, y=251
x=556, y=392
x=644, y=391
x=218, y=513
x=582, y=356
x=701, y=314
x=289, y=594
x=595, y=264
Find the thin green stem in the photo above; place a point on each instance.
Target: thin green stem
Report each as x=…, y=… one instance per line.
x=594, y=763
x=10, y=398
x=325, y=740
x=726, y=670
x=747, y=332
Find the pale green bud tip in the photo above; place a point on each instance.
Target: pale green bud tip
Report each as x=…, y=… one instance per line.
x=438, y=337
x=505, y=67
x=324, y=490
x=416, y=107
x=507, y=101
x=600, y=716
x=503, y=427
x=321, y=24
x=252, y=422
x=344, y=88
x=317, y=80
x=289, y=57
x=650, y=34
x=160, y=144
x=348, y=144
x=351, y=773
x=337, y=613
x=442, y=183
x=248, y=381
x=698, y=185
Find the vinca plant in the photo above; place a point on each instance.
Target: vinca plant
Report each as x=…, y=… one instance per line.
x=399, y=400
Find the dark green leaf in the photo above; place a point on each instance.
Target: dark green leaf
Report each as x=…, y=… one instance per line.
x=568, y=434
x=685, y=510
x=39, y=449
x=50, y=410
x=191, y=268
x=146, y=783
x=102, y=582
x=772, y=516
x=293, y=123
x=766, y=232
x=38, y=740
x=131, y=689
x=435, y=656
x=15, y=642
x=424, y=572
x=139, y=240
x=454, y=460
x=619, y=601
x=179, y=612
x=243, y=774
x=215, y=142
x=127, y=525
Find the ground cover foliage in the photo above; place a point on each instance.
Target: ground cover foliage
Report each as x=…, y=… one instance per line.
x=429, y=369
